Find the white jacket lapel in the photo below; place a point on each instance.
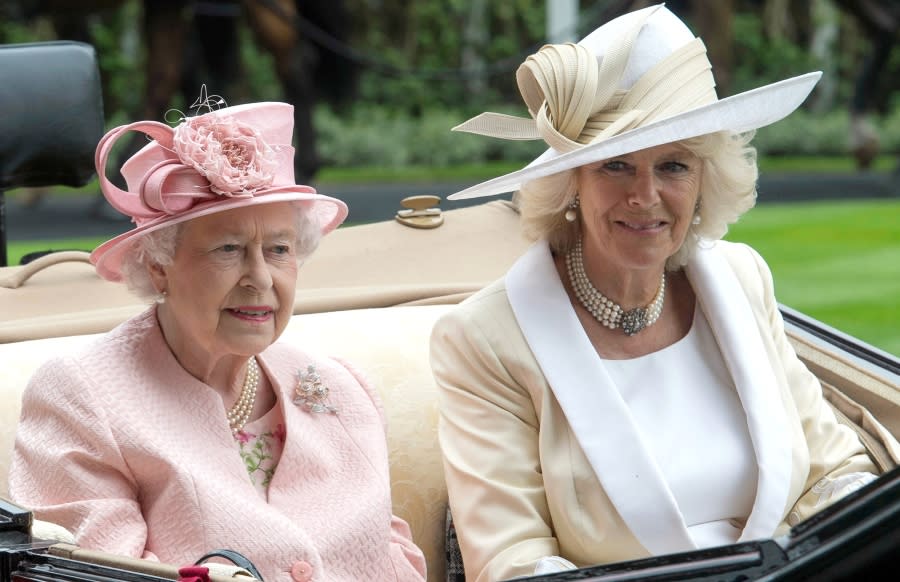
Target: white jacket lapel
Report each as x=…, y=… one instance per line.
x=589, y=399
x=732, y=321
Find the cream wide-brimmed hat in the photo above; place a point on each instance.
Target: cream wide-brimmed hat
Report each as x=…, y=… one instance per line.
x=640, y=80
x=229, y=158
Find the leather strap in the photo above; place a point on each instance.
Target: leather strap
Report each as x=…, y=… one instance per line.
x=235, y=558
x=17, y=278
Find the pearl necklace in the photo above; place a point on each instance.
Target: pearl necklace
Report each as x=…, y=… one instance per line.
x=604, y=310
x=240, y=412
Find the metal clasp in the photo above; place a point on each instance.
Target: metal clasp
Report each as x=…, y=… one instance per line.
x=420, y=212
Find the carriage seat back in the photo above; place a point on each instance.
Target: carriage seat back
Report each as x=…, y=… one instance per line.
x=52, y=117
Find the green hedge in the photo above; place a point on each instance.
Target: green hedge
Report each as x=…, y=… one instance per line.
x=400, y=119
x=375, y=136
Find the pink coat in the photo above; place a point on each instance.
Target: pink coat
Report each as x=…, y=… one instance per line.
x=133, y=455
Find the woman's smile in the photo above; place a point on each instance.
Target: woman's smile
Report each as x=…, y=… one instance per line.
x=642, y=227
x=253, y=313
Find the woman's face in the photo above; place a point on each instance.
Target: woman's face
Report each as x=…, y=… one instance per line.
x=636, y=208
x=230, y=289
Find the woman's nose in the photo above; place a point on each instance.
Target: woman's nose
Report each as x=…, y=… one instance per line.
x=644, y=191
x=256, y=270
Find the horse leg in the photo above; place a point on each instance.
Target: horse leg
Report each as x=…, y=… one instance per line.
x=213, y=50
x=273, y=26
x=166, y=25
x=864, y=141
x=164, y=28
x=713, y=22
x=880, y=21
x=71, y=23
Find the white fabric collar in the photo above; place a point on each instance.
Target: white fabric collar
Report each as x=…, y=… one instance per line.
x=581, y=384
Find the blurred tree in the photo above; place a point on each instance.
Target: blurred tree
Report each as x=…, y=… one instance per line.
x=423, y=54
x=413, y=58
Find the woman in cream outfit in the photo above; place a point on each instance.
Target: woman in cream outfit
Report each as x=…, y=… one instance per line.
x=627, y=389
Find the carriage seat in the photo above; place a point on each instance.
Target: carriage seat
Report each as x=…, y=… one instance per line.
x=390, y=345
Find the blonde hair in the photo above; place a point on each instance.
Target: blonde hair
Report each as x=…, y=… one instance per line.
x=158, y=248
x=727, y=190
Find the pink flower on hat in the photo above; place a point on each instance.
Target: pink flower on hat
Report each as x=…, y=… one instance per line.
x=232, y=155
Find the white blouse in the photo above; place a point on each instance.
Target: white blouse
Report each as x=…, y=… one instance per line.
x=684, y=403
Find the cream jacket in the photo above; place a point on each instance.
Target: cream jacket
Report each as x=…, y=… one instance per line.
x=540, y=456
x=135, y=456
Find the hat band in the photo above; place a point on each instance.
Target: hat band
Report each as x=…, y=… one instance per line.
x=593, y=110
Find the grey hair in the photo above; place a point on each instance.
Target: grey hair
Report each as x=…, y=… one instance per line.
x=158, y=248
x=727, y=191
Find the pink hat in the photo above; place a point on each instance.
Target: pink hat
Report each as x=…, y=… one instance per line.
x=229, y=158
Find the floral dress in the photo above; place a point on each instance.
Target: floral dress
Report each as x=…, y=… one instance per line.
x=261, y=443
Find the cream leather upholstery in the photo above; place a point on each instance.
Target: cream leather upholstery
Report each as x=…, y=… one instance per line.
x=389, y=345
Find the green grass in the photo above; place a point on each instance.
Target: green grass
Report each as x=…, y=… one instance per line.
x=838, y=262
x=17, y=249
x=822, y=165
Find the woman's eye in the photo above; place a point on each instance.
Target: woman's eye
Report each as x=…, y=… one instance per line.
x=614, y=166
x=674, y=167
x=281, y=249
x=229, y=248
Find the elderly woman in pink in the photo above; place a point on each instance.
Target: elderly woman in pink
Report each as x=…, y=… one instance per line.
x=189, y=428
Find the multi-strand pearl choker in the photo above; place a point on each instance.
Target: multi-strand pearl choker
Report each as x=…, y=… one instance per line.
x=240, y=412
x=604, y=310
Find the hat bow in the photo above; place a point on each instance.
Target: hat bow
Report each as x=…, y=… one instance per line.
x=574, y=97
x=202, y=159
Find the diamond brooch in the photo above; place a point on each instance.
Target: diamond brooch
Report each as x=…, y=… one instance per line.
x=311, y=393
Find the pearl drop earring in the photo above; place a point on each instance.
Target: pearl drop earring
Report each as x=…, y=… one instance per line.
x=161, y=298
x=572, y=211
